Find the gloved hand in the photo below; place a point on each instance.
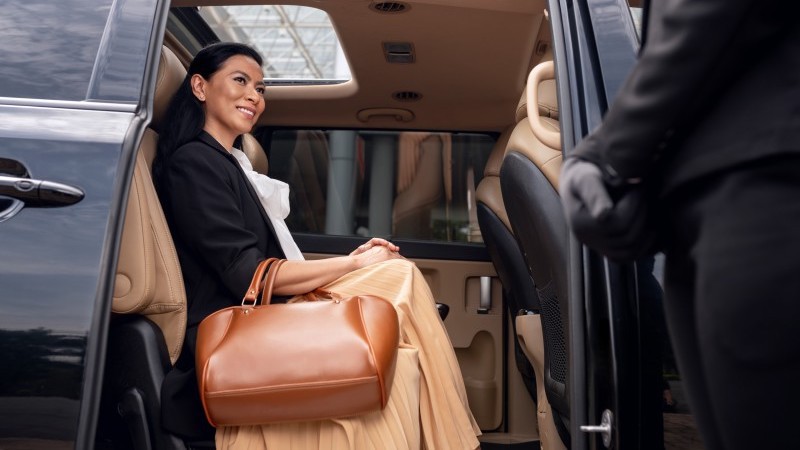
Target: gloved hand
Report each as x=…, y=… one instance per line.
x=614, y=225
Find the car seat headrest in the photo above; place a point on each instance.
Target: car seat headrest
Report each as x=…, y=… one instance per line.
x=170, y=76
x=548, y=103
x=255, y=153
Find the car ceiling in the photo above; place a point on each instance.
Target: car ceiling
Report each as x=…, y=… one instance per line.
x=472, y=59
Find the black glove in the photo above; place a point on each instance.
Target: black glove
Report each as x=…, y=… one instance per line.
x=613, y=223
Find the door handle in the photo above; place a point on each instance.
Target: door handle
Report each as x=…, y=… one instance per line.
x=486, y=296
x=39, y=193
x=605, y=427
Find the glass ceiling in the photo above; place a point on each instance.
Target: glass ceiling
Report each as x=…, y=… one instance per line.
x=297, y=42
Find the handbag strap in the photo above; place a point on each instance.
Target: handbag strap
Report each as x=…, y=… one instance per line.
x=272, y=273
x=251, y=295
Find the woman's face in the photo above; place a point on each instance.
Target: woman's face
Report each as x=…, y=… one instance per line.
x=233, y=98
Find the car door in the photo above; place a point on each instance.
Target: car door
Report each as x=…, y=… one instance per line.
x=624, y=379
x=75, y=80
x=594, y=47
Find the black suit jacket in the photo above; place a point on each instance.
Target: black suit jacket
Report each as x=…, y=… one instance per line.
x=221, y=233
x=717, y=85
x=220, y=230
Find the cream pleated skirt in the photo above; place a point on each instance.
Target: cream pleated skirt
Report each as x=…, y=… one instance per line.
x=427, y=407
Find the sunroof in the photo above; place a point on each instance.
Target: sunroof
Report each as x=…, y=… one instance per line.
x=298, y=43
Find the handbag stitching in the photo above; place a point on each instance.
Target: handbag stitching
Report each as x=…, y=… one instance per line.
x=208, y=360
x=294, y=386
x=372, y=353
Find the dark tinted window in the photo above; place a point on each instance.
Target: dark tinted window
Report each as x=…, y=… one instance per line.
x=411, y=185
x=49, y=48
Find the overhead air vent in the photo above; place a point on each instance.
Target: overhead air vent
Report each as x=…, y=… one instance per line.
x=389, y=7
x=399, y=52
x=406, y=96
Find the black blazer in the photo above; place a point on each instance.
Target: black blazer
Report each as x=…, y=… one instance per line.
x=717, y=84
x=220, y=230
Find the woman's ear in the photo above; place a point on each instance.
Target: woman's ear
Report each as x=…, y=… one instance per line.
x=198, y=84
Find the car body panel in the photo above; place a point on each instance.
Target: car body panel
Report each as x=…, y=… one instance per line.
x=57, y=263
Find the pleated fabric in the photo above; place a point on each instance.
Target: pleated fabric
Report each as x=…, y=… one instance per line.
x=427, y=407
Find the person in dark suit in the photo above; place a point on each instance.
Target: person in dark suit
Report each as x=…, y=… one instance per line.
x=225, y=219
x=699, y=155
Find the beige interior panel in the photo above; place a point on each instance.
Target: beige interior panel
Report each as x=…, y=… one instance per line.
x=456, y=72
x=477, y=338
x=521, y=407
x=529, y=331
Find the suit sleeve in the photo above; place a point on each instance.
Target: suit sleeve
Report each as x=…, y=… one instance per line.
x=689, y=44
x=207, y=215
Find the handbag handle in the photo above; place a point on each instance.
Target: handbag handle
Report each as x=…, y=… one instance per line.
x=251, y=295
x=272, y=273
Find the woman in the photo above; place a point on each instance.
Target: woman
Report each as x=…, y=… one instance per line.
x=225, y=219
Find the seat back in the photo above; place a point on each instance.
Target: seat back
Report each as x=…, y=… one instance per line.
x=529, y=181
x=149, y=301
x=506, y=255
x=148, y=279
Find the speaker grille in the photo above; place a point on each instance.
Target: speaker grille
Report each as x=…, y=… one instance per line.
x=406, y=96
x=389, y=7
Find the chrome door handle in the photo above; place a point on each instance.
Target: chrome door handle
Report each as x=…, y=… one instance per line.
x=606, y=423
x=39, y=193
x=485, y=302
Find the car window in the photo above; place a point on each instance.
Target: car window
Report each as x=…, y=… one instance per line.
x=50, y=56
x=636, y=14
x=298, y=43
x=413, y=185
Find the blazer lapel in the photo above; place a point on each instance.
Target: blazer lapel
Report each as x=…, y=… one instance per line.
x=208, y=139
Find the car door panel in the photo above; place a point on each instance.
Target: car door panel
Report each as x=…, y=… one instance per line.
x=52, y=265
x=477, y=337
x=77, y=117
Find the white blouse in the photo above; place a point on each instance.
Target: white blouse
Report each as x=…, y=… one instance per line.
x=274, y=196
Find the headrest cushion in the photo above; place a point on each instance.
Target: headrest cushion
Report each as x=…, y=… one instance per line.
x=255, y=153
x=548, y=104
x=170, y=76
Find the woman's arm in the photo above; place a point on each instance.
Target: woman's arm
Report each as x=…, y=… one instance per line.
x=299, y=277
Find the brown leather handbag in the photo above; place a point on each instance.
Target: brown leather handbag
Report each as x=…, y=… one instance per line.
x=308, y=360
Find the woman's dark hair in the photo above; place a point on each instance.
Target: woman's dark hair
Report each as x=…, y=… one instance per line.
x=185, y=116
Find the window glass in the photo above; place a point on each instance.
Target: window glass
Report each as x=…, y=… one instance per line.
x=413, y=185
x=48, y=55
x=297, y=42
x=636, y=14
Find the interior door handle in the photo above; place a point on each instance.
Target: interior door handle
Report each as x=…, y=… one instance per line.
x=486, y=296
x=39, y=193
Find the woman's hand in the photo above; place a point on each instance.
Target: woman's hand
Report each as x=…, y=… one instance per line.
x=299, y=277
x=375, y=251
x=375, y=255
x=375, y=242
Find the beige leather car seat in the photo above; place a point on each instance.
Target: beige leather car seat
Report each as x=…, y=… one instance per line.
x=255, y=153
x=148, y=279
x=529, y=183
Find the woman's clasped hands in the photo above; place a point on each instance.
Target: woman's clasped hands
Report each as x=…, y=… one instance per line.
x=374, y=251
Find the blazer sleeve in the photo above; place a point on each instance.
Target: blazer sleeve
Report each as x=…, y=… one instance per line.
x=207, y=215
x=690, y=47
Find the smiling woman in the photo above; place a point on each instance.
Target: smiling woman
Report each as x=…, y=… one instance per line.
x=225, y=221
x=237, y=85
